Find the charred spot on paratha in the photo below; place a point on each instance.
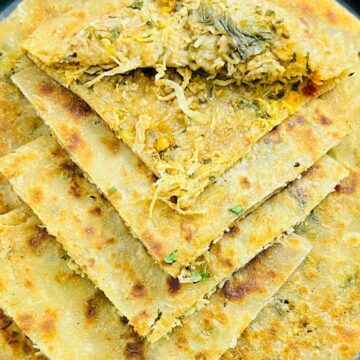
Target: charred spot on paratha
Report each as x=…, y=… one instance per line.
x=233, y=231
x=76, y=107
x=48, y=323
x=348, y=185
x=237, y=290
x=173, y=285
x=138, y=290
x=5, y=321
x=91, y=309
x=134, y=350
x=37, y=239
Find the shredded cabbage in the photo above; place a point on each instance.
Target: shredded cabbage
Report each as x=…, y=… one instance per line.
x=232, y=77
x=183, y=104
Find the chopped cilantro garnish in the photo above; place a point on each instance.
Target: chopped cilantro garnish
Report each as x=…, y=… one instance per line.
x=196, y=276
x=242, y=104
x=250, y=42
x=137, y=4
x=270, y=12
x=236, y=209
x=204, y=273
x=207, y=161
x=259, y=109
x=172, y=257
x=112, y=190
x=115, y=33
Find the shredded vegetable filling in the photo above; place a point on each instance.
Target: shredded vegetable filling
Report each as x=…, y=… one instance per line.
x=189, y=87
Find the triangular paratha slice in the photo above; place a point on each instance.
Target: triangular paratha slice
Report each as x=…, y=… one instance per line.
x=62, y=313
x=68, y=318
x=279, y=158
x=221, y=271
x=95, y=237
x=18, y=121
x=190, y=123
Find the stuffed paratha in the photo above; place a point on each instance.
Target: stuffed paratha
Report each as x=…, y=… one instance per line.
x=68, y=318
x=316, y=314
x=353, y=156
x=95, y=237
x=279, y=158
x=207, y=104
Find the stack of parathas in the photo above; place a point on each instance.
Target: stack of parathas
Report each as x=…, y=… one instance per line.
x=168, y=175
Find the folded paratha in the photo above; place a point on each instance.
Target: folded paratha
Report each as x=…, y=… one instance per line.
x=95, y=237
x=329, y=340
x=61, y=312
x=222, y=271
x=279, y=158
x=190, y=89
x=18, y=121
x=68, y=318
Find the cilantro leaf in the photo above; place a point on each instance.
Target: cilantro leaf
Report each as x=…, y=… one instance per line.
x=237, y=209
x=196, y=276
x=137, y=4
x=112, y=190
x=172, y=257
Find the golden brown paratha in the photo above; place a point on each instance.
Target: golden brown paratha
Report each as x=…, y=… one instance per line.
x=18, y=121
x=13, y=343
x=208, y=104
x=279, y=158
x=95, y=237
x=244, y=257
x=316, y=315
x=68, y=318
x=353, y=156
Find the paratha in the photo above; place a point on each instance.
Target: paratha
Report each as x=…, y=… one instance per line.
x=207, y=105
x=13, y=343
x=68, y=318
x=95, y=237
x=62, y=313
x=347, y=349
x=312, y=200
x=18, y=121
x=279, y=158
x=316, y=315
x=8, y=198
